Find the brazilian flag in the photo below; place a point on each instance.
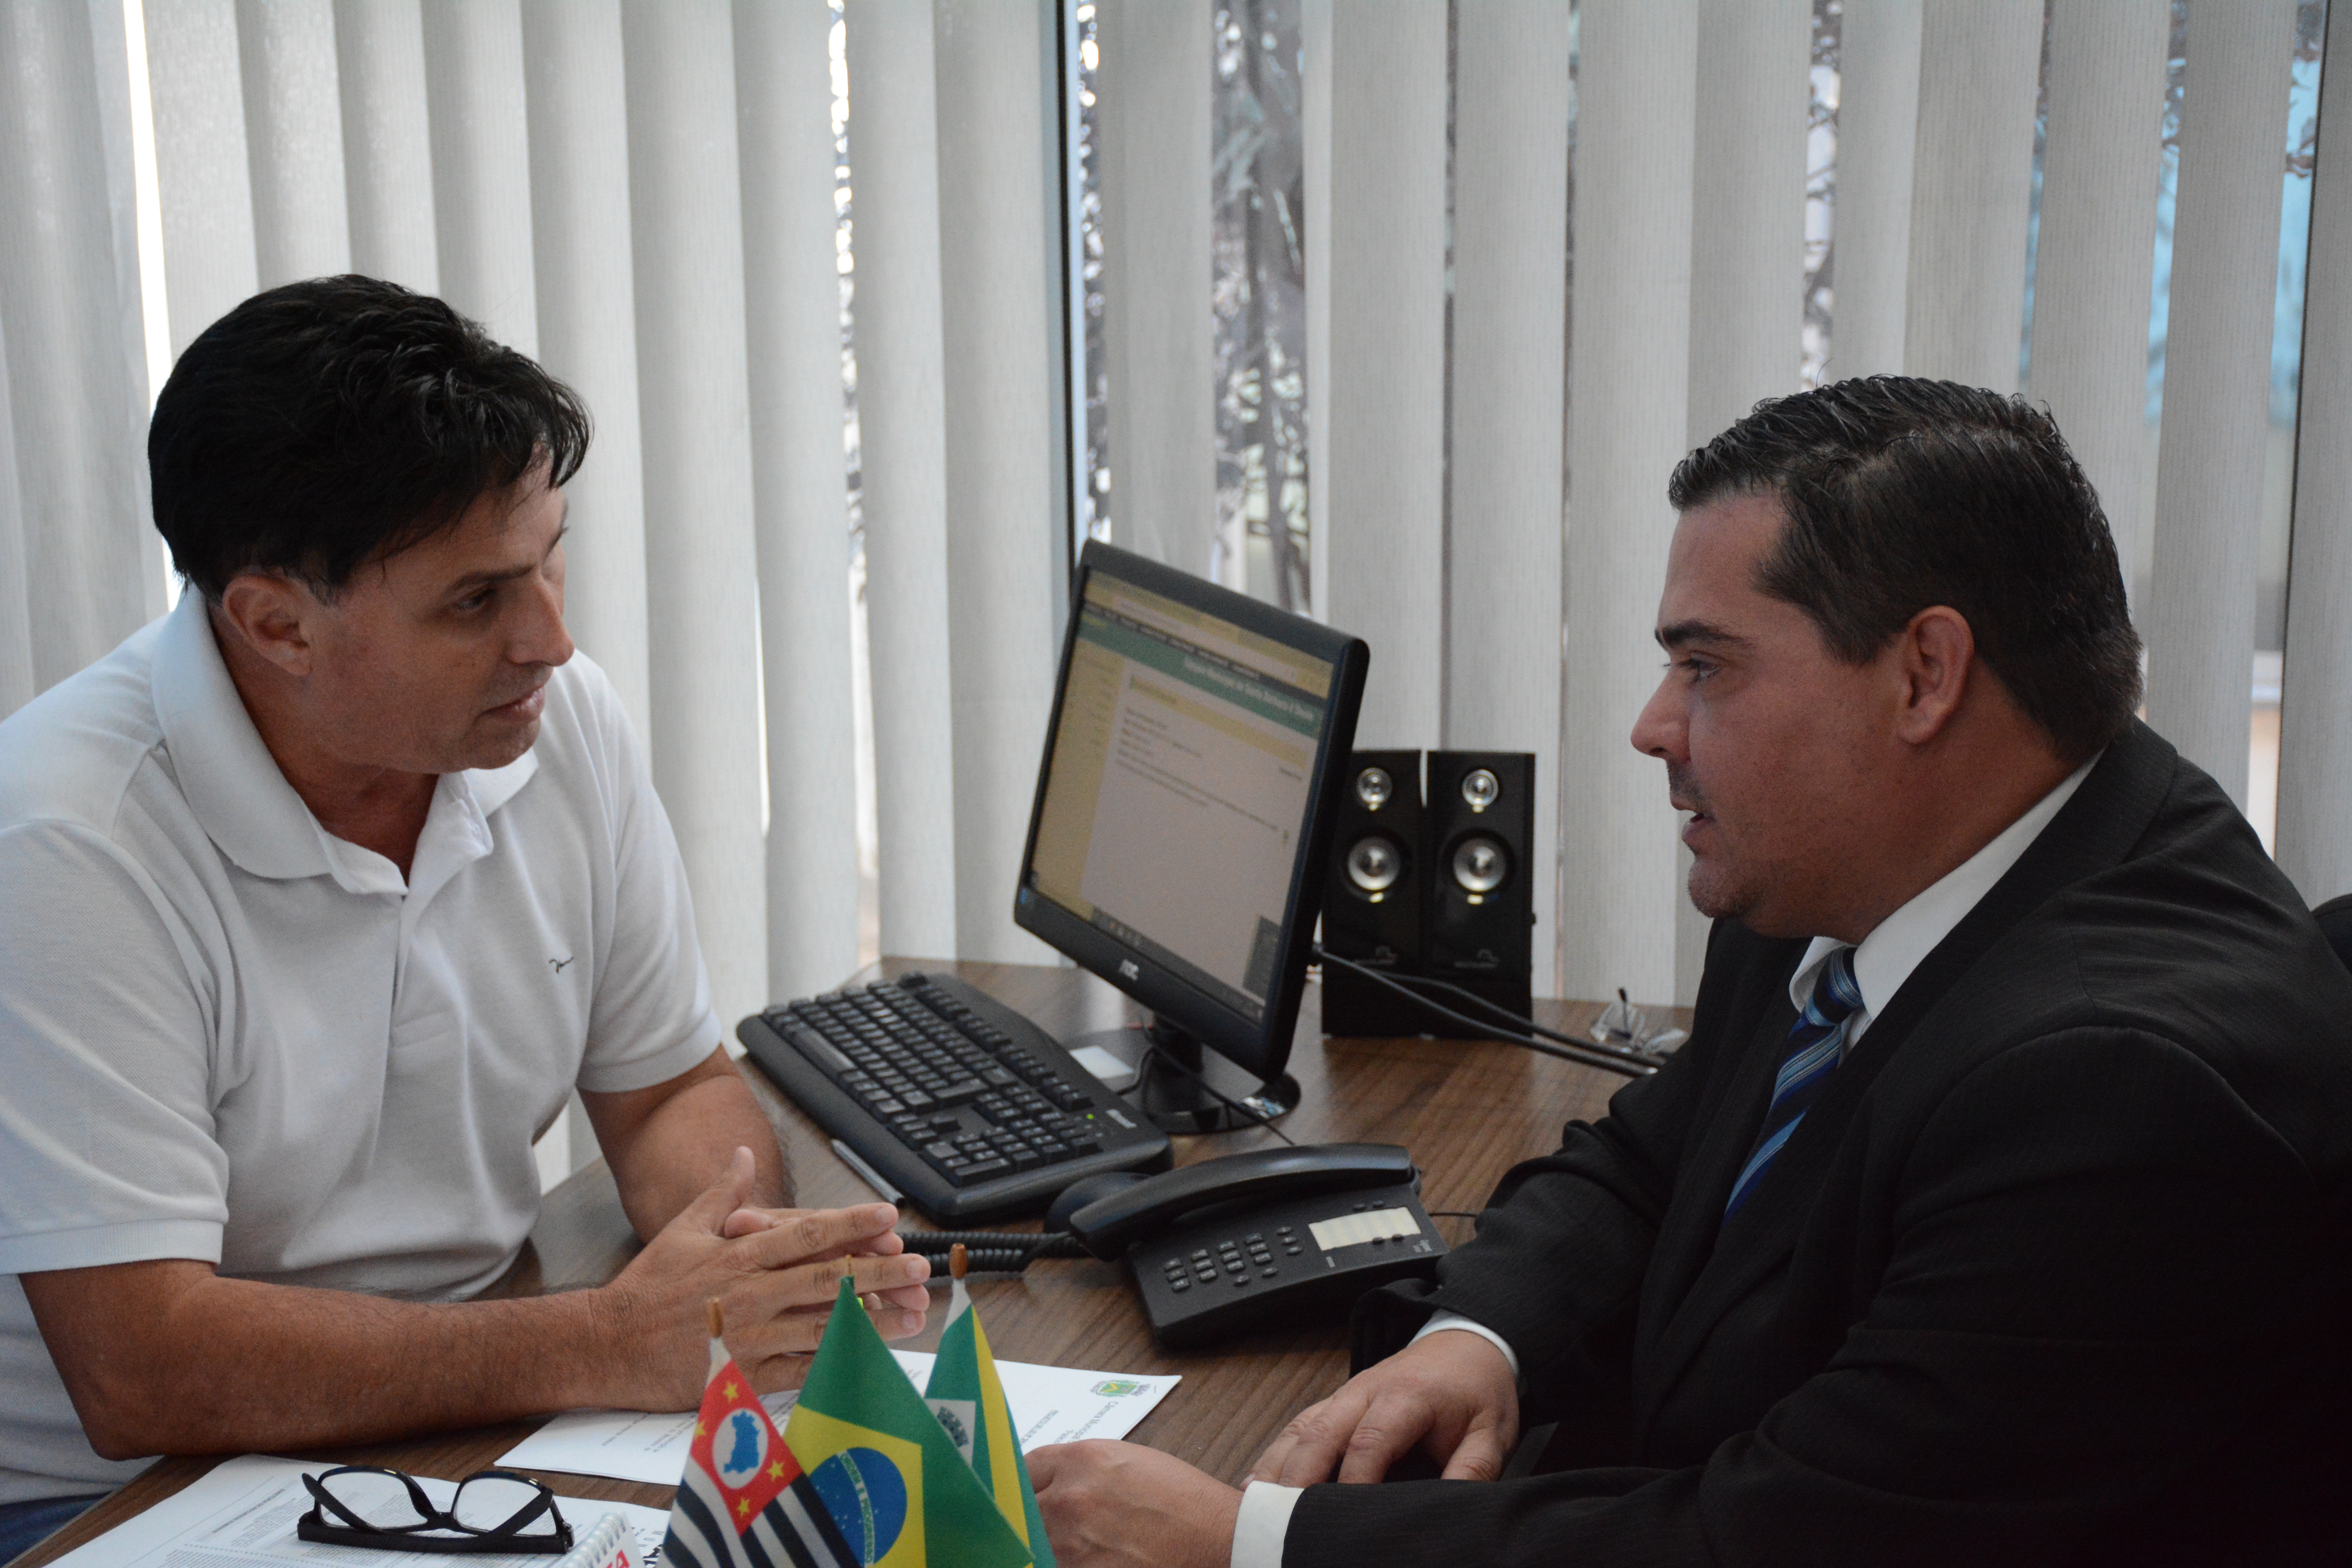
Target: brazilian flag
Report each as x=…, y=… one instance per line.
x=894, y=1481
x=965, y=1391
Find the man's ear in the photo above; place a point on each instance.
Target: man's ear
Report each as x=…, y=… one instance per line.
x=272, y=615
x=1937, y=654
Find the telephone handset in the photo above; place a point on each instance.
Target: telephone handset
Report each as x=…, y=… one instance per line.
x=1287, y=1235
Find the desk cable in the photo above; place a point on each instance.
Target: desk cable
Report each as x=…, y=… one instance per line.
x=1257, y=1118
x=1632, y=1064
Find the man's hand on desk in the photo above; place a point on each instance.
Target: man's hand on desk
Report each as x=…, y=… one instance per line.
x=775, y=1272
x=1452, y=1395
x=1107, y=1505
x=1110, y=1505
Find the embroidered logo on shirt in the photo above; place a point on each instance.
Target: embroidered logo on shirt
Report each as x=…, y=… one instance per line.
x=561, y=962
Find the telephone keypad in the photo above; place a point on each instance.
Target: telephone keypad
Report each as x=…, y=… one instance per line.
x=1241, y=1261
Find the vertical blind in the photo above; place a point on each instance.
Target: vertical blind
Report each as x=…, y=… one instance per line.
x=1507, y=593
x=643, y=193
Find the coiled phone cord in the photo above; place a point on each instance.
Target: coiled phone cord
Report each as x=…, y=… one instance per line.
x=994, y=1252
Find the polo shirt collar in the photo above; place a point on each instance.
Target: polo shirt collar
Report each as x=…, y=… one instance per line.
x=237, y=790
x=225, y=771
x=493, y=788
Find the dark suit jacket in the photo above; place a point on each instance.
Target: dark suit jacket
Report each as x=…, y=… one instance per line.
x=2054, y=1271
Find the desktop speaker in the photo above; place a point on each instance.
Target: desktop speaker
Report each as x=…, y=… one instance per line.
x=1373, y=893
x=1477, y=923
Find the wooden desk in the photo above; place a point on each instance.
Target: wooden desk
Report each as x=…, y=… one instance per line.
x=1467, y=1111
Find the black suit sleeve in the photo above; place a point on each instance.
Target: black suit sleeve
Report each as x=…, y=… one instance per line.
x=2100, y=1269
x=1564, y=1243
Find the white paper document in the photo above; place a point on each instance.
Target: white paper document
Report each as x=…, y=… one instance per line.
x=1049, y=1404
x=243, y=1514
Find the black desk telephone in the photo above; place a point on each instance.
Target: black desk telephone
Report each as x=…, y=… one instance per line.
x=1289, y=1235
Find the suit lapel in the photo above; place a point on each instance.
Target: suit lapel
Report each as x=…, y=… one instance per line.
x=1717, y=1265
x=1732, y=1111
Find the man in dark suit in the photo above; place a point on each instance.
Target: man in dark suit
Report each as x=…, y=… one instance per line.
x=1997, y=1210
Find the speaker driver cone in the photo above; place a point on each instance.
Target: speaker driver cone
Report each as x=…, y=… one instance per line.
x=1374, y=864
x=1480, y=865
x=1373, y=787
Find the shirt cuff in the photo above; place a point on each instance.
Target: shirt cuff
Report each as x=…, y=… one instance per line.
x=1441, y=1320
x=1263, y=1520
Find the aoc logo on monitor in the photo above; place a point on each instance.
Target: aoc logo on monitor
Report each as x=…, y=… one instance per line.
x=1127, y=968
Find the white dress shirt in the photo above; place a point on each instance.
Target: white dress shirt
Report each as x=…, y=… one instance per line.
x=1881, y=965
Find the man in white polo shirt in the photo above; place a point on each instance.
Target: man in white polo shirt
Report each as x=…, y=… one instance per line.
x=322, y=895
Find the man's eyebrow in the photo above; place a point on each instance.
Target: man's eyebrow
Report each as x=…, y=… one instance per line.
x=1681, y=633
x=483, y=579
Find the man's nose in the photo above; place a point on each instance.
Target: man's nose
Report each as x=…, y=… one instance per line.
x=1662, y=728
x=543, y=638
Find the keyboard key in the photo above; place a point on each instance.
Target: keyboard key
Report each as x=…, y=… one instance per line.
x=980, y=1168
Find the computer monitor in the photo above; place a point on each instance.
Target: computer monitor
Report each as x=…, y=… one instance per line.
x=1182, y=815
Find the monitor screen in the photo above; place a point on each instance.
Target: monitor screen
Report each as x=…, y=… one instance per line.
x=1183, y=808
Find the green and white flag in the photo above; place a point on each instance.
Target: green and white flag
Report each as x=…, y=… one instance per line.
x=965, y=1390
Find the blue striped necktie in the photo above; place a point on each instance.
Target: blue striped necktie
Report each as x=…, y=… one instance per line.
x=1816, y=1046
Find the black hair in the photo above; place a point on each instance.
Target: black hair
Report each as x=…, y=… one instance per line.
x=326, y=424
x=1903, y=493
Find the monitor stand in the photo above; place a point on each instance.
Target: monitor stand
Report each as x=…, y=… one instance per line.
x=1176, y=1102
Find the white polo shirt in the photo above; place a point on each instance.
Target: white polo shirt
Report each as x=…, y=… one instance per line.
x=227, y=1034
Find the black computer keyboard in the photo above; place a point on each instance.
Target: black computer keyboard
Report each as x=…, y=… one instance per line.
x=960, y=1102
